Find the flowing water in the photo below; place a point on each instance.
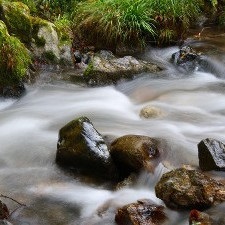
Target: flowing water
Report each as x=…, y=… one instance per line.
x=192, y=106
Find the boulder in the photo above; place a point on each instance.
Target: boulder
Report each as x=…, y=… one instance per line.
x=45, y=43
x=143, y=212
x=200, y=218
x=4, y=212
x=81, y=146
x=211, y=154
x=188, y=189
x=104, y=68
x=132, y=153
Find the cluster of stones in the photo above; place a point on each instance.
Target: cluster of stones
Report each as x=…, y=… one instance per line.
x=82, y=148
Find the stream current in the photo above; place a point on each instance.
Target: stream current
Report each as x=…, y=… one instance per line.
x=192, y=106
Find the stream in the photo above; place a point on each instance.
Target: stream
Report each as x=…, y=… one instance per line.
x=193, y=108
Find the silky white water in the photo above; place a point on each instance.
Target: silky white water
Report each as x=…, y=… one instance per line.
x=192, y=106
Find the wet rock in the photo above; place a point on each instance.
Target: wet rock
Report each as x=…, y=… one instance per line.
x=186, y=59
x=4, y=212
x=141, y=213
x=81, y=147
x=151, y=112
x=132, y=153
x=211, y=154
x=200, y=218
x=188, y=189
x=104, y=68
x=12, y=91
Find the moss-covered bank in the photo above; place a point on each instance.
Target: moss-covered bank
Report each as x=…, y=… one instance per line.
x=14, y=58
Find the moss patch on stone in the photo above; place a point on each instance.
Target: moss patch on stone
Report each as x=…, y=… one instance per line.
x=16, y=16
x=14, y=58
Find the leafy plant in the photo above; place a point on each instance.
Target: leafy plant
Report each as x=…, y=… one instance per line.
x=63, y=27
x=132, y=21
x=113, y=21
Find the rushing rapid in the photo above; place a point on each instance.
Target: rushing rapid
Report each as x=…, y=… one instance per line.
x=192, y=106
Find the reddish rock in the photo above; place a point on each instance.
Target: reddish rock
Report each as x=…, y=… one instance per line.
x=199, y=218
x=143, y=212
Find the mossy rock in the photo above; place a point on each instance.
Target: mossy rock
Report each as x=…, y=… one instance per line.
x=45, y=43
x=14, y=58
x=82, y=148
x=16, y=16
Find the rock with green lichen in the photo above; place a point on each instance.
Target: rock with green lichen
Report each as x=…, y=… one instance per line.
x=16, y=16
x=14, y=63
x=45, y=40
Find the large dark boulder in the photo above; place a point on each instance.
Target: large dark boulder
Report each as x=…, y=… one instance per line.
x=132, y=153
x=143, y=212
x=81, y=146
x=188, y=189
x=211, y=154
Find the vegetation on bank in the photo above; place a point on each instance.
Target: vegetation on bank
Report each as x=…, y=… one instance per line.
x=104, y=23
x=14, y=58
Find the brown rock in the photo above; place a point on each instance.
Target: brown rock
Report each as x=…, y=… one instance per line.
x=141, y=213
x=132, y=153
x=188, y=189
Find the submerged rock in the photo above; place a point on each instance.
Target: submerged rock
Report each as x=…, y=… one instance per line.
x=211, y=154
x=141, y=213
x=151, y=112
x=81, y=147
x=132, y=153
x=105, y=68
x=188, y=189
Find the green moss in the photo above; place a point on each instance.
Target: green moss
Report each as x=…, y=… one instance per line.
x=37, y=23
x=16, y=16
x=63, y=28
x=14, y=58
x=89, y=69
x=49, y=56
